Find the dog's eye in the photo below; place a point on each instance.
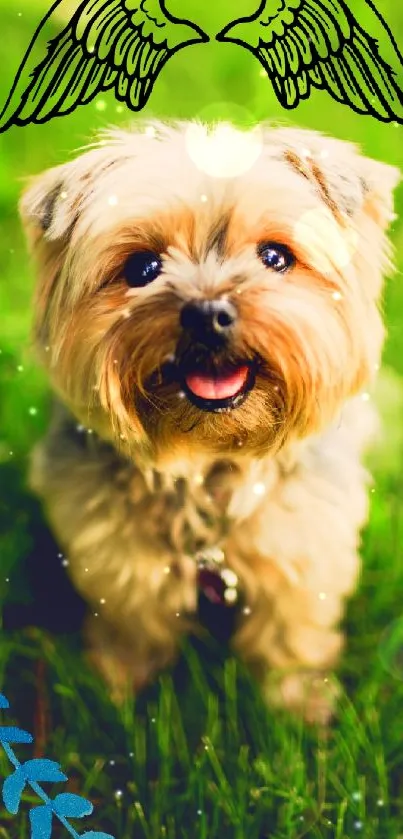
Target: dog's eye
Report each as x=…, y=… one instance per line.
x=142, y=268
x=277, y=257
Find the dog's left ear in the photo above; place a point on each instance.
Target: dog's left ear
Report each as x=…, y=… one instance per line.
x=378, y=183
x=346, y=181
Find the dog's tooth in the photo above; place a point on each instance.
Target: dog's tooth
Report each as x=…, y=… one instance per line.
x=230, y=595
x=229, y=577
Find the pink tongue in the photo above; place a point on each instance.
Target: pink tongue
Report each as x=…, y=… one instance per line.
x=217, y=387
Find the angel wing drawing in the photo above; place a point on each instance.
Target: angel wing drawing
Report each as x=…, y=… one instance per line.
x=305, y=44
x=119, y=45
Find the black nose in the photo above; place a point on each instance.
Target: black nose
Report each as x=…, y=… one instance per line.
x=206, y=318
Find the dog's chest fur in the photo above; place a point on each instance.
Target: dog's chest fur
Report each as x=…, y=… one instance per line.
x=200, y=503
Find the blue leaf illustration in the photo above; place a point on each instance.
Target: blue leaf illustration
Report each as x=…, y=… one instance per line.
x=12, y=790
x=42, y=769
x=95, y=834
x=4, y=703
x=73, y=806
x=37, y=769
x=11, y=734
x=41, y=822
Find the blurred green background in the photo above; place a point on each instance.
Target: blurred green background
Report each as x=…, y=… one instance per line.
x=222, y=77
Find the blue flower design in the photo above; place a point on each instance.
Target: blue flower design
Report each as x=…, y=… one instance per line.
x=33, y=773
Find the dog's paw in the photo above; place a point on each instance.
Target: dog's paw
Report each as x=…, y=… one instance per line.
x=125, y=670
x=311, y=695
x=123, y=675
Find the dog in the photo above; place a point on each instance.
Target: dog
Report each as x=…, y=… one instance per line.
x=210, y=342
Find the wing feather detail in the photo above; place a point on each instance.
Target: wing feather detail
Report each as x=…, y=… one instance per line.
x=119, y=45
x=319, y=44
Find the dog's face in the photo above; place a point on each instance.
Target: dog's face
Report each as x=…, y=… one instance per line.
x=180, y=312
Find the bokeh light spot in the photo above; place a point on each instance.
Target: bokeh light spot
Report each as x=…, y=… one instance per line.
x=317, y=226
x=226, y=142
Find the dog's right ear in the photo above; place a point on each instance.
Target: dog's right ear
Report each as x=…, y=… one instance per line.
x=48, y=208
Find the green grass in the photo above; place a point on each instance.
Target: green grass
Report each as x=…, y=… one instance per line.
x=199, y=755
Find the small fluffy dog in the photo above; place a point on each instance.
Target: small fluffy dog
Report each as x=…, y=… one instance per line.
x=210, y=340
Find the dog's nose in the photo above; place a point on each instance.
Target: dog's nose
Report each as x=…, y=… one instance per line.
x=208, y=317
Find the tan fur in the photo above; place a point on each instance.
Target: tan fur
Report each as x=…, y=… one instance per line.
x=169, y=479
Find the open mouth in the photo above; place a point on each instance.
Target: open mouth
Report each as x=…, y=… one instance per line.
x=219, y=389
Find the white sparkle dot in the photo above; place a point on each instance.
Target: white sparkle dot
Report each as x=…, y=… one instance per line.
x=167, y=569
x=89, y=431
x=181, y=394
x=247, y=610
x=85, y=569
x=115, y=361
x=150, y=131
x=177, y=614
x=47, y=349
x=100, y=105
x=60, y=556
x=231, y=595
x=203, y=198
x=259, y=488
x=11, y=454
x=33, y=411
x=199, y=812
x=206, y=748
x=119, y=109
x=113, y=200
x=91, y=48
x=152, y=719
x=7, y=579
x=20, y=368
x=65, y=562
x=111, y=763
x=118, y=793
x=365, y=397
x=102, y=601
x=337, y=296
x=376, y=367
x=380, y=802
x=358, y=825
x=356, y=796
x=95, y=614
x=131, y=754
x=306, y=153
x=198, y=479
x=262, y=73
x=322, y=595
x=239, y=291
